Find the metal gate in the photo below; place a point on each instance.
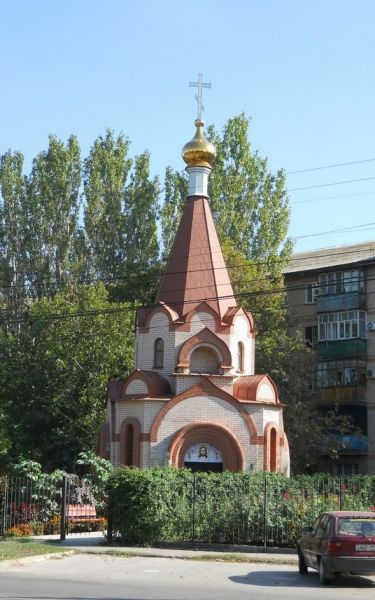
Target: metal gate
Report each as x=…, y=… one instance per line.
x=36, y=508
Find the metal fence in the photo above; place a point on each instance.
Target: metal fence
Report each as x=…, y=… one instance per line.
x=248, y=510
x=270, y=513
x=29, y=507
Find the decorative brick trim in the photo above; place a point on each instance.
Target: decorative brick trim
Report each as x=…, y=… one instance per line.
x=144, y=437
x=144, y=316
x=205, y=387
x=217, y=435
x=246, y=388
x=204, y=337
x=136, y=438
x=232, y=313
x=185, y=325
x=155, y=383
x=272, y=455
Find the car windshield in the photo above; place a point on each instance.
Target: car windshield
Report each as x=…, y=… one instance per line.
x=356, y=526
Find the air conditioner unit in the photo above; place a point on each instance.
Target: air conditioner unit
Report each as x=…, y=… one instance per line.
x=371, y=325
x=370, y=374
x=315, y=292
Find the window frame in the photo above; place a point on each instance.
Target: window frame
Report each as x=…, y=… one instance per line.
x=159, y=353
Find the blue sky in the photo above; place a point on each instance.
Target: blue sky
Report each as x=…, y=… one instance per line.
x=303, y=71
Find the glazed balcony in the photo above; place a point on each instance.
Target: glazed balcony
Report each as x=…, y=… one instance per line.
x=346, y=301
x=343, y=348
x=342, y=395
x=353, y=444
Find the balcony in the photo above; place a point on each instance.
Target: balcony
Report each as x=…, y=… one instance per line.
x=345, y=301
x=352, y=444
x=354, y=347
x=343, y=395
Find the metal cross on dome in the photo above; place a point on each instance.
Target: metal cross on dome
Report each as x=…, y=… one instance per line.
x=200, y=85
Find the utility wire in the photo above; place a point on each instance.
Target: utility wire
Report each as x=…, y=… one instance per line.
x=248, y=263
x=310, y=187
x=99, y=312
x=344, y=164
x=333, y=197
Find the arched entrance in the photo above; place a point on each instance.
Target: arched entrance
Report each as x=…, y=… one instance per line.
x=203, y=457
x=203, y=445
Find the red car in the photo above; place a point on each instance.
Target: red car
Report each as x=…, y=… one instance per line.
x=340, y=542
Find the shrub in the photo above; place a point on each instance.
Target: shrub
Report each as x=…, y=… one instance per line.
x=22, y=530
x=167, y=505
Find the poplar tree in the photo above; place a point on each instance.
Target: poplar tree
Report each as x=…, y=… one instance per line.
x=52, y=205
x=105, y=176
x=141, y=214
x=13, y=250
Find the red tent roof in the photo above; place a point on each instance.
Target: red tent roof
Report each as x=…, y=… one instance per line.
x=196, y=269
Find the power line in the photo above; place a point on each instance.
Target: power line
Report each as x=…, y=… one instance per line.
x=320, y=185
x=99, y=312
x=333, y=197
x=247, y=265
x=299, y=237
x=344, y=164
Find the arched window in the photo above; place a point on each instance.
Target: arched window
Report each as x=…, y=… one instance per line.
x=159, y=353
x=204, y=360
x=240, y=357
x=273, y=454
x=129, y=446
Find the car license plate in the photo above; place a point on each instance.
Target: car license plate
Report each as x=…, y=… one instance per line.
x=365, y=547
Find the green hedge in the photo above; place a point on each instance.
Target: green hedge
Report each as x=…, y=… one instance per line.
x=171, y=505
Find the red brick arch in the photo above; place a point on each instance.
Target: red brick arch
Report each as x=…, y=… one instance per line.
x=211, y=433
x=205, y=387
x=272, y=454
x=136, y=441
x=204, y=337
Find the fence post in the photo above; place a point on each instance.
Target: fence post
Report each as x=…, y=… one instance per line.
x=63, y=510
x=340, y=492
x=193, y=515
x=265, y=514
x=5, y=507
x=109, y=524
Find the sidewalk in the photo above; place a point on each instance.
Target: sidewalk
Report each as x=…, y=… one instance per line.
x=94, y=542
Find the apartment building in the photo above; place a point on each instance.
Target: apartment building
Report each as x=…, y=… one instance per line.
x=332, y=296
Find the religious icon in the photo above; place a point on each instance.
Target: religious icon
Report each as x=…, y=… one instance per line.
x=203, y=452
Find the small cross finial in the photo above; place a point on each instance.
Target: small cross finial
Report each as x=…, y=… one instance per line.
x=200, y=85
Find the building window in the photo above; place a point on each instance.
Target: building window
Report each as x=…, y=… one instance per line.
x=129, y=446
x=240, y=357
x=311, y=292
x=204, y=360
x=341, y=282
x=311, y=336
x=342, y=325
x=273, y=450
x=341, y=373
x=159, y=353
x=344, y=469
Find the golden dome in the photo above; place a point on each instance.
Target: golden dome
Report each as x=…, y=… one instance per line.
x=199, y=152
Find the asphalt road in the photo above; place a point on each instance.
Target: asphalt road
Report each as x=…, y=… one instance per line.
x=89, y=577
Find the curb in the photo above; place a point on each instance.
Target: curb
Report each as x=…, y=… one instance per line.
x=203, y=557
x=25, y=560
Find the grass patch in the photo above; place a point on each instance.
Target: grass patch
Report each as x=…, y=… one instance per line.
x=12, y=549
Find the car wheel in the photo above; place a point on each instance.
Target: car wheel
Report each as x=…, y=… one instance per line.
x=302, y=568
x=323, y=577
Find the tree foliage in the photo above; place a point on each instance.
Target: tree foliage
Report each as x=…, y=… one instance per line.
x=54, y=374
x=71, y=222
